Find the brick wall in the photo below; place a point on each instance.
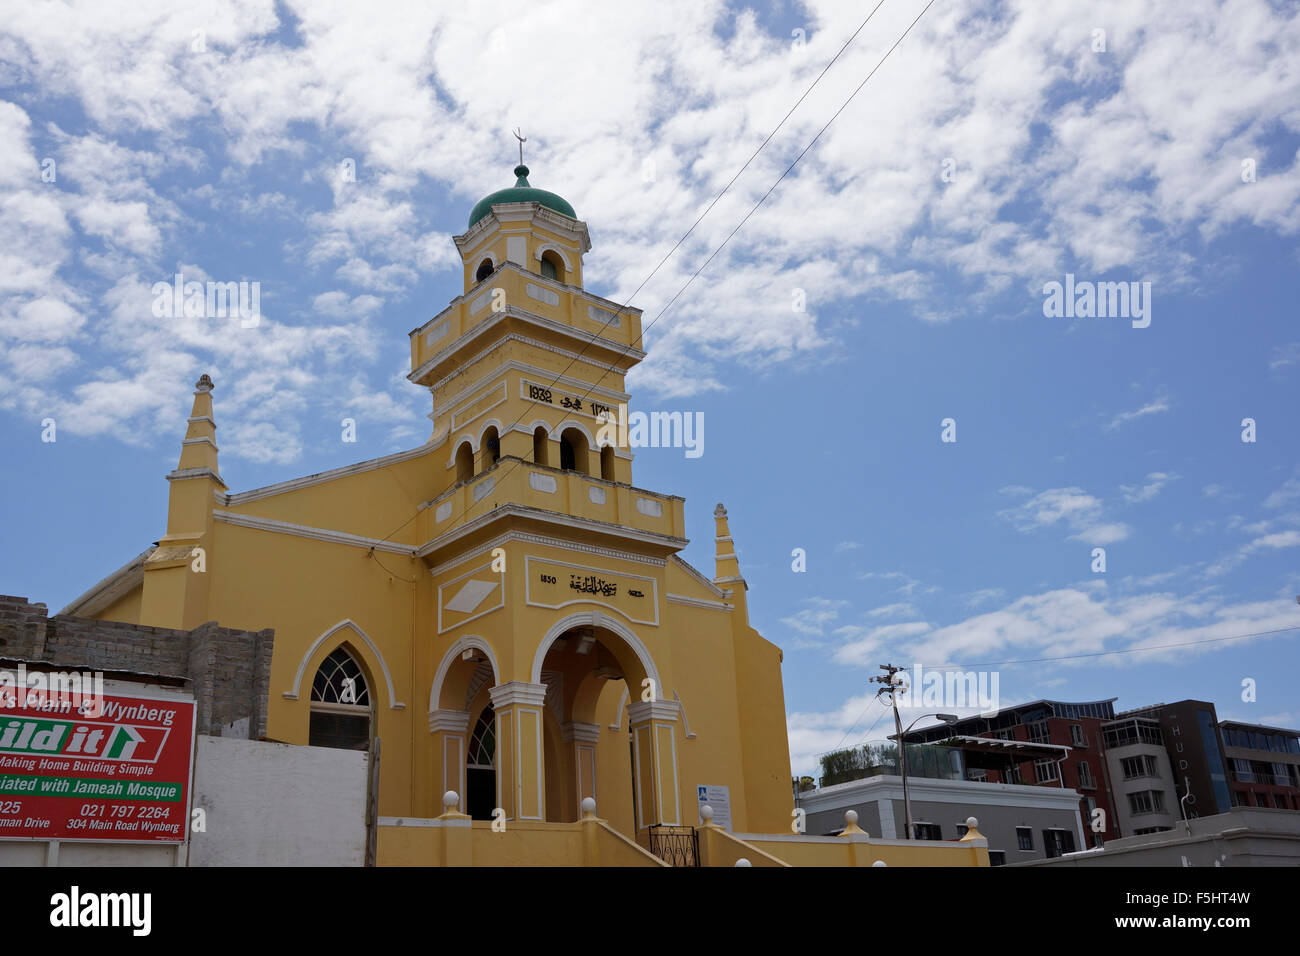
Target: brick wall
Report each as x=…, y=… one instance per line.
x=228, y=671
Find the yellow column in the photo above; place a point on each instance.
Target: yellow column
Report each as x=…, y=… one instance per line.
x=654, y=762
x=449, y=729
x=521, y=766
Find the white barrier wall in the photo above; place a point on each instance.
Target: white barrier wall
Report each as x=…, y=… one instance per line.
x=269, y=804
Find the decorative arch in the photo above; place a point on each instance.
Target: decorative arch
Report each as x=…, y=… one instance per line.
x=574, y=423
x=458, y=647
x=369, y=646
x=595, y=619
x=483, y=430
x=488, y=262
x=559, y=254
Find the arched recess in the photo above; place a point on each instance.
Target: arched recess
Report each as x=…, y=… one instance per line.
x=633, y=643
x=485, y=269
x=575, y=451
x=452, y=657
x=541, y=446
x=366, y=650
x=490, y=442
x=607, y=463
x=549, y=247
x=464, y=461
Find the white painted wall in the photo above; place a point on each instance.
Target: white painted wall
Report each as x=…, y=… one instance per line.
x=271, y=804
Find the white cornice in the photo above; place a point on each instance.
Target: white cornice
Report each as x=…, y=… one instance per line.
x=294, y=484
x=523, y=536
x=525, y=340
x=184, y=474
x=303, y=531
x=503, y=212
x=514, y=312
x=640, y=711
x=698, y=602
x=514, y=365
x=518, y=692
x=513, y=510
x=105, y=592
x=691, y=570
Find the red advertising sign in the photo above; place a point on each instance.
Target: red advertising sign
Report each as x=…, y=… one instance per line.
x=120, y=773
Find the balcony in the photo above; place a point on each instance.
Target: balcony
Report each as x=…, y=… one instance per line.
x=580, y=502
x=527, y=294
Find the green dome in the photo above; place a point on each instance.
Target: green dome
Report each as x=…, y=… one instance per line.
x=520, y=192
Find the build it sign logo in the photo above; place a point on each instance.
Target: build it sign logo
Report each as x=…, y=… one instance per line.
x=81, y=738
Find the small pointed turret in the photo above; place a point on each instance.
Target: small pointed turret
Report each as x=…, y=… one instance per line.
x=726, y=565
x=199, y=449
x=176, y=581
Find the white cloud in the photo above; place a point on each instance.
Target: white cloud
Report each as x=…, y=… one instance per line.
x=1153, y=407
x=1074, y=507
x=1155, y=483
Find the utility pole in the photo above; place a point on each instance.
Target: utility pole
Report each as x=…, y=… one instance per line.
x=891, y=685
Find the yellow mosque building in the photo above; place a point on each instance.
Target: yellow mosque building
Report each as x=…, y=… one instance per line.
x=502, y=606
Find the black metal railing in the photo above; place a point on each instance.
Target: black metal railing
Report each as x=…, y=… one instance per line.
x=676, y=846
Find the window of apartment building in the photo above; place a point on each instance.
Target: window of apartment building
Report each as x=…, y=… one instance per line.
x=1242, y=771
x=1238, y=799
x=1045, y=770
x=1014, y=774
x=1025, y=838
x=961, y=830
x=1076, y=735
x=1143, y=830
x=1085, y=776
x=1057, y=842
x=980, y=776
x=926, y=831
x=1146, y=801
x=1038, y=732
x=1143, y=765
x=997, y=857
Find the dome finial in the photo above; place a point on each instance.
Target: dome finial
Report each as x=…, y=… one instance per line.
x=521, y=171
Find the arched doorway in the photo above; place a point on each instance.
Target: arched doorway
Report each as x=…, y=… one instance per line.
x=588, y=668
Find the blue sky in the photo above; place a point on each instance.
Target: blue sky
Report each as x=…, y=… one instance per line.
x=923, y=300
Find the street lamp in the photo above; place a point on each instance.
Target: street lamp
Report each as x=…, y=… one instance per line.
x=902, y=758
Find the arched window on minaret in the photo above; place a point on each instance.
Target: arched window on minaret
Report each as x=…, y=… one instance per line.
x=552, y=266
x=573, y=450
x=491, y=447
x=484, y=270
x=340, y=704
x=607, y=463
x=541, y=454
x=464, y=462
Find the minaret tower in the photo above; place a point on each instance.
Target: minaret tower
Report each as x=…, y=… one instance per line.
x=526, y=367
